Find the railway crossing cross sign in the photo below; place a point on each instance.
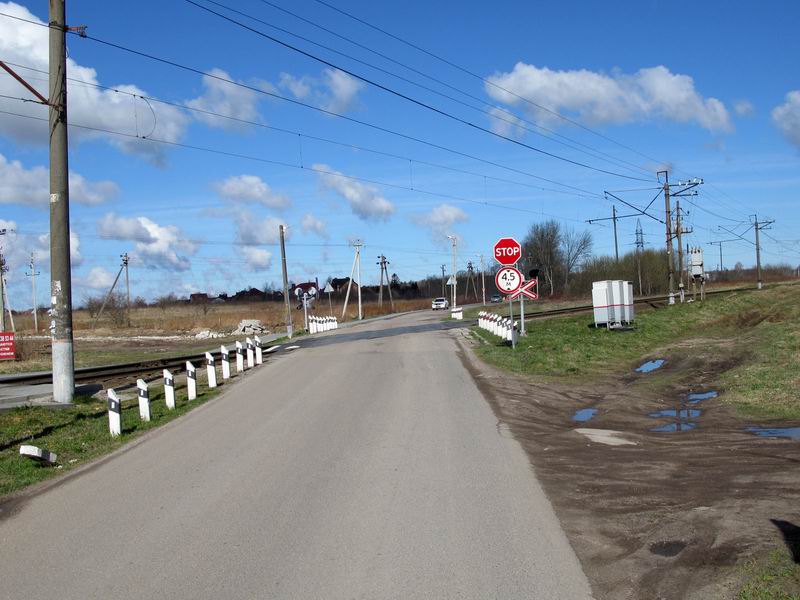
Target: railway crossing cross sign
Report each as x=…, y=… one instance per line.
x=530, y=289
x=508, y=280
x=507, y=251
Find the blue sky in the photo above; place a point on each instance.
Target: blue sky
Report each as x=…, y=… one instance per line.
x=709, y=91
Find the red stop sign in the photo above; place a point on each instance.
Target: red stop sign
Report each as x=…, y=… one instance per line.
x=507, y=251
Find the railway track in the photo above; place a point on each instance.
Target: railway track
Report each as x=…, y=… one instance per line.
x=150, y=367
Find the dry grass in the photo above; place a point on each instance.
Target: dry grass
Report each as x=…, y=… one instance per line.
x=187, y=318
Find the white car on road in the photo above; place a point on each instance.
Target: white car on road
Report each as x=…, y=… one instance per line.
x=440, y=304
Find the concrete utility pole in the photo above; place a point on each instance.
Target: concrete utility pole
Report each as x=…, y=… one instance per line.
x=286, y=301
x=384, y=270
x=60, y=260
x=614, y=220
x=355, y=269
x=759, y=225
x=2, y=293
x=33, y=275
x=125, y=261
x=679, y=231
x=639, y=250
x=454, y=240
x=670, y=261
x=443, y=280
x=483, y=282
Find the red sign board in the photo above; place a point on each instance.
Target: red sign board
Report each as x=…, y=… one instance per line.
x=507, y=251
x=7, y=349
x=529, y=289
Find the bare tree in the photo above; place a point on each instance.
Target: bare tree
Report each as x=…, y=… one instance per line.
x=575, y=247
x=542, y=246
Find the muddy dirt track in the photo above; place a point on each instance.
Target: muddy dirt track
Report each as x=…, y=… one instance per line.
x=663, y=514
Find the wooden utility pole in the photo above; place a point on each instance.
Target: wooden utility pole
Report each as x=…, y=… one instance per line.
x=60, y=261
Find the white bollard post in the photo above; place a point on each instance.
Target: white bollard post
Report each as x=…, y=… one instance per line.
x=169, y=390
x=144, y=400
x=250, y=356
x=312, y=325
x=259, y=351
x=226, y=363
x=191, y=380
x=211, y=369
x=239, y=357
x=114, y=414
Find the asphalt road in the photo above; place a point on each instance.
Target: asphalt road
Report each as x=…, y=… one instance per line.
x=364, y=465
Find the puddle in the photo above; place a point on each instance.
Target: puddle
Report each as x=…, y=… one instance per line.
x=650, y=365
x=793, y=433
x=668, y=547
x=584, y=414
x=673, y=427
x=700, y=396
x=684, y=413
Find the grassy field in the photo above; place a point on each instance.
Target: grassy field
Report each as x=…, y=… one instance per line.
x=108, y=343
x=77, y=434
x=774, y=577
x=762, y=327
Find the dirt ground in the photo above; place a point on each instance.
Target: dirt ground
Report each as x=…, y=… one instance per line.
x=670, y=515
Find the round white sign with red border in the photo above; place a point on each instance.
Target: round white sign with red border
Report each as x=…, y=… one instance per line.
x=508, y=280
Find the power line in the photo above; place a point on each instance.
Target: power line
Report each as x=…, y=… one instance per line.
x=312, y=137
x=482, y=79
x=294, y=166
x=408, y=98
x=516, y=118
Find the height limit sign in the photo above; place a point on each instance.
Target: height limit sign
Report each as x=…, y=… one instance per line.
x=508, y=280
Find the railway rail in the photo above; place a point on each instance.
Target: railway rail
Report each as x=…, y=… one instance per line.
x=150, y=367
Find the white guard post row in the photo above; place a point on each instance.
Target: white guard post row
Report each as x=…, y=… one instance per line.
x=499, y=326
x=322, y=324
x=255, y=356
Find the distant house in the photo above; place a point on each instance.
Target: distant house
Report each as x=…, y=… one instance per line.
x=198, y=298
x=339, y=284
x=251, y=295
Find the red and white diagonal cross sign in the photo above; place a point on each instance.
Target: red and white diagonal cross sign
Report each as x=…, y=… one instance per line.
x=529, y=289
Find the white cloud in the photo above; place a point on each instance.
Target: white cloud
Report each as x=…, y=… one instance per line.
x=19, y=185
x=441, y=219
x=27, y=44
x=506, y=123
x=227, y=99
x=311, y=224
x=786, y=117
x=257, y=258
x=598, y=98
x=744, y=108
x=97, y=278
x=157, y=246
x=365, y=201
x=334, y=90
x=252, y=232
x=250, y=188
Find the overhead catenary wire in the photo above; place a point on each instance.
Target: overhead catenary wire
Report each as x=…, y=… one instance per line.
x=327, y=140
x=411, y=99
x=513, y=119
x=297, y=166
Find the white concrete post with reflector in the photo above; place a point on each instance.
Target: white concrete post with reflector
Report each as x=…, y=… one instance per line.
x=239, y=357
x=191, y=380
x=169, y=389
x=312, y=325
x=226, y=363
x=259, y=351
x=144, y=400
x=211, y=369
x=250, y=355
x=114, y=414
